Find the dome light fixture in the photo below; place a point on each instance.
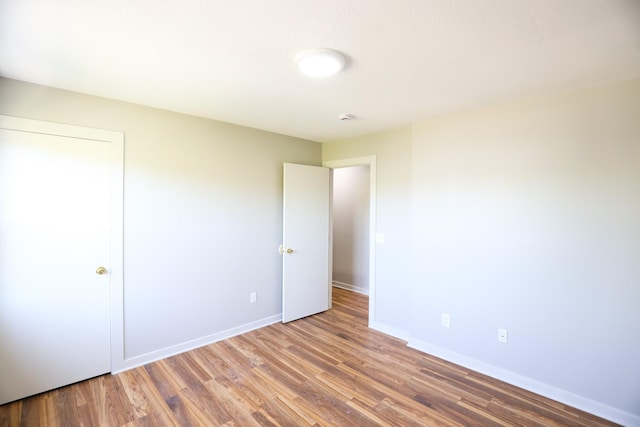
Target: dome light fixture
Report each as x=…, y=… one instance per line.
x=320, y=62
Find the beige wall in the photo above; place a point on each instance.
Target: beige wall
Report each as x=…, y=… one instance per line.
x=526, y=218
x=203, y=200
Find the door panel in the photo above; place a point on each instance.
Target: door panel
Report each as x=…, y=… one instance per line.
x=54, y=234
x=306, y=232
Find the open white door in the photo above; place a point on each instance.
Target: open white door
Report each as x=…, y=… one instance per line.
x=305, y=250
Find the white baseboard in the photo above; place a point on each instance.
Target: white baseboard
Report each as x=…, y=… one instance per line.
x=546, y=390
x=390, y=330
x=350, y=287
x=153, y=356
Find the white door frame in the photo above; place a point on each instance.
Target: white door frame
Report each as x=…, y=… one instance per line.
x=116, y=242
x=371, y=162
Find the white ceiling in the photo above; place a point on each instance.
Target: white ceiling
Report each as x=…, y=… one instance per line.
x=232, y=60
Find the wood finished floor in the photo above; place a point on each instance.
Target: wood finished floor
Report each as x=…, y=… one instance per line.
x=324, y=370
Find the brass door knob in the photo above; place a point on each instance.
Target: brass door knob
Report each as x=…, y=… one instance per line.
x=282, y=250
x=100, y=271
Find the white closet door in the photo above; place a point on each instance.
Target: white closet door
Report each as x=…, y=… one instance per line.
x=54, y=238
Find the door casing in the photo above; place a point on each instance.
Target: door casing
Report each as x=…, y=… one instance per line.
x=371, y=162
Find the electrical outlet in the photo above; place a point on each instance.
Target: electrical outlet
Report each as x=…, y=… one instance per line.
x=446, y=320
x=502, y=336
x=253, y=297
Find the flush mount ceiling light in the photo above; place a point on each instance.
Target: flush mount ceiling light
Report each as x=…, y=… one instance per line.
x=320, y=62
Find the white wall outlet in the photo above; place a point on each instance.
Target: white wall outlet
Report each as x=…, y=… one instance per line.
x=446, y=320
x=253, y=297
x=502, y=336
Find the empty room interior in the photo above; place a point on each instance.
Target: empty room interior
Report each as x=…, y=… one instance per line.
x=301, y=212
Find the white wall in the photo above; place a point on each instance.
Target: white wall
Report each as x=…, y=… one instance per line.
x=393, y=165
x=351, y=228
x=203, y=200
x=526, y=217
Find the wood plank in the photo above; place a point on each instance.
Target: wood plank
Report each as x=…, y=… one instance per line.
x=10, y=414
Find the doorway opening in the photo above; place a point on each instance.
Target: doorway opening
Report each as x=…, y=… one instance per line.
x=355, y=220
x=350, y=218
